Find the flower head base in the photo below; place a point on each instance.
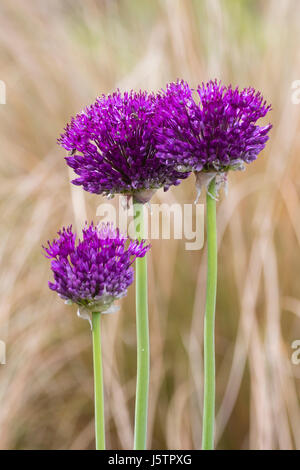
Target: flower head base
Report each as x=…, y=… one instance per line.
x=112, y=147
x=95, y=271
x=215, y=135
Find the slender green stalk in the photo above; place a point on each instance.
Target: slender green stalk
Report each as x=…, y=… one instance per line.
x=209, y=321
x=143, y=349
x=98, y=382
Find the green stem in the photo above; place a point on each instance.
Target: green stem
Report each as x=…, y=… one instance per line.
x=209, y=321
x=143, y=349
x=98, y=382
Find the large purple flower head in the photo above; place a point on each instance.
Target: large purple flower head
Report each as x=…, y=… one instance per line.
x=112, y=147
x=218, y=133
x=97, y=269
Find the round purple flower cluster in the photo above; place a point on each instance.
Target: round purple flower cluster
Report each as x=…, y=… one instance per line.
x=96, y=270
x=112, y=147
x=217, y=133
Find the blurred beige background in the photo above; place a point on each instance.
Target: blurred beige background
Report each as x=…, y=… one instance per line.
x=56, y=57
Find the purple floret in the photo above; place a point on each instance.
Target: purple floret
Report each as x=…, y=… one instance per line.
x=218, y=133
x=97, y=269
x=112, y=146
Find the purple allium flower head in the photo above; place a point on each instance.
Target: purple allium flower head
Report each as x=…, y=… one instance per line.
x=97, y=269
x=217, y=134
x=112, y=147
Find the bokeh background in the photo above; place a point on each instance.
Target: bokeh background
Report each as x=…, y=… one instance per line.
x=56, y=57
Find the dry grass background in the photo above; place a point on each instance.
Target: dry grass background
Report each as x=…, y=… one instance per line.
x=57, y=57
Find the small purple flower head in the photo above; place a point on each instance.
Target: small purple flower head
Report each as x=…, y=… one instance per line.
x=95, y=271
x=112, y=147
x=217, y=134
